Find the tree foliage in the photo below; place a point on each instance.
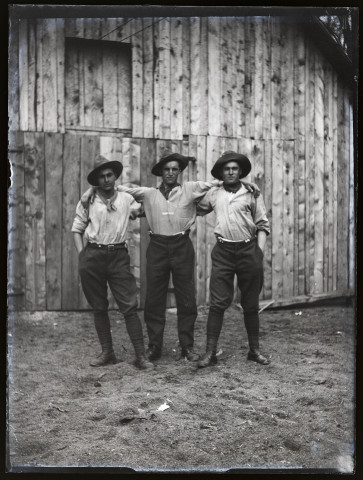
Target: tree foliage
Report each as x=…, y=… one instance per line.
x=343, y=28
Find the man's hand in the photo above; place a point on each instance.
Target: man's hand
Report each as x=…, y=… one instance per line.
x=252, y=188
x=88, y=197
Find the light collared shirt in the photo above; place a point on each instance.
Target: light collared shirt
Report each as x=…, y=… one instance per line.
x=239, y=215
x=100, y=224
x=175, y=214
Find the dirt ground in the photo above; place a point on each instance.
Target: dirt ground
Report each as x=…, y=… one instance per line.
x=298, y=412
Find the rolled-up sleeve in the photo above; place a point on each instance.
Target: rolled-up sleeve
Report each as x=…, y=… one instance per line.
x=199, y=189
x=80, y=221
x=204, y=206
x=137, y=192
x=260, y=217
x=136, y=209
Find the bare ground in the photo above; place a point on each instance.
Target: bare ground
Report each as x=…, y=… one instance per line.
x=298, y=412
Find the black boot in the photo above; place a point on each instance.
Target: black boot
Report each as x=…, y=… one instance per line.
x=214, y=327
x=103, y=329
x=189, y=354
x=252, y=324
x=209, y=358
x=134, y=329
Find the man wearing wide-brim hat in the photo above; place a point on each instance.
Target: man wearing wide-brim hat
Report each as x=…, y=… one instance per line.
x=170, y=211
x=241, y=228
x=99, y=231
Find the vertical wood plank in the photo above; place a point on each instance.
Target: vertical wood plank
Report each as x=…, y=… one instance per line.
x=137, y=80
x=39, y=75
x=93, y=91
x=250, y=120
x=164, y=65
x=92, y=28
x=239, y=107
x=329, y=178
x=212, y=154
x=226, y=77
x=186, y=54
x=300, y=116
x=310, y=169
x=109, y=85
x=35, y=296
x=147, y=160
x=124, y=90
x=13, y=75
x=343, y=188
x=176, y=79
x=31, y=74
x=157, y=89
x=50, y=123
x=277, y=253
x=53, y=148
x=258, y=79
x=351, y=174
x=60, y=54
x=72, y=88
x=287, y=73
x=335, y=182
x=16, y=224
x=71, y=195
x=319, y=177
x=267, y=289
x=133, y=232
x=288, y=219
x=266, y=78
x=198, y=76
x=197, y=148
x=275, y=78
x=148, y=82
x=214, y=76
x=108, y=30
x=257, y=158
x=23, y=74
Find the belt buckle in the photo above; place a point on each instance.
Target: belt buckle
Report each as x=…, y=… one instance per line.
x=111, y=247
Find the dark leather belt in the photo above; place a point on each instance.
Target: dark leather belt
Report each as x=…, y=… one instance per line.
x=177, y=235
x=110, y=247
x=235, y=244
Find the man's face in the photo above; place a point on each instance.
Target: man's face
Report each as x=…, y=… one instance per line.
x=106, y=180
x=231, y=172
x=170, y=172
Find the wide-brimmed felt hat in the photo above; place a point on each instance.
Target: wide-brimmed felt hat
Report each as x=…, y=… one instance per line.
x=102, y=163
x=230, y=156
x=169, y=156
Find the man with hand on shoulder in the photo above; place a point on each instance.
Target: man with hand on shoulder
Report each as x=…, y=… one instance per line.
x=241, y=229
x=99, y=231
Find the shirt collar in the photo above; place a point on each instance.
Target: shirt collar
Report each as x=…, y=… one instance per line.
x=165, y=191
x=109, y=202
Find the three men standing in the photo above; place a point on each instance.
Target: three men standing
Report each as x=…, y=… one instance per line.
x=171, y=210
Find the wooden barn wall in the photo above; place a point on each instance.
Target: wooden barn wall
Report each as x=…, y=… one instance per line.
x=199, y=86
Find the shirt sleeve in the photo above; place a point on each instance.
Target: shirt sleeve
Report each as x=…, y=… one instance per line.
x=204, y=206
x=136, y=209
x=137, y=192
x=80, y=221
x=260, y=216
x=199, y=189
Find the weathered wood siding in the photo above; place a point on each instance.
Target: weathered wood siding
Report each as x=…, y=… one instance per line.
x=198, y=86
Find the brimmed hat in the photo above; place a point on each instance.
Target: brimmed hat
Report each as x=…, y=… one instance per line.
x=169, y=156
x=102, y=163
x=230, y=156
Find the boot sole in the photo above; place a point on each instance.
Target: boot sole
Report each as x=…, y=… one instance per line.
x=108, y=362
x=212, y=361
